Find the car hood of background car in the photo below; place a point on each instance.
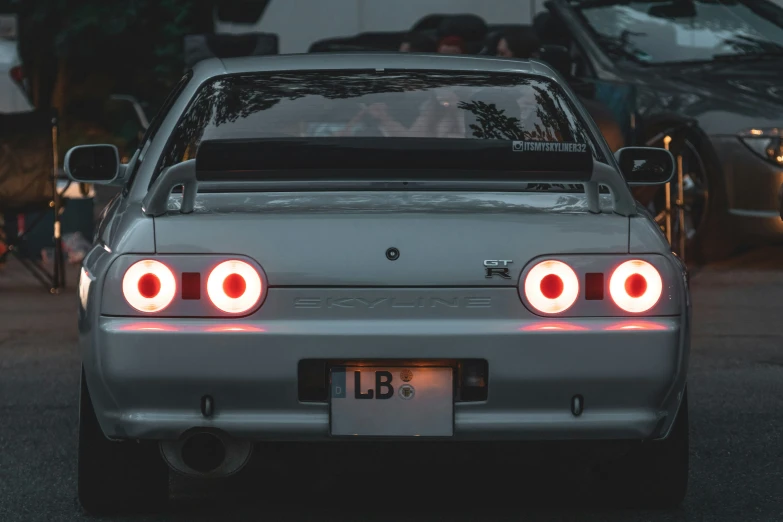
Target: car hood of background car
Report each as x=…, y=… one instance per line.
x=325, y=238
x=726, y=98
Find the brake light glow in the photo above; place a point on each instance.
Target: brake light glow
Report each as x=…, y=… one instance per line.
x=635, y=286
x=234, y=287
x=542, y=327
x=148, y=327
x=551, y=287
x=638, y=325
x=234, y=328
x=149, y=286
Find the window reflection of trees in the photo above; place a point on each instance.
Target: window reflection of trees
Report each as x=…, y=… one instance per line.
x=554, y=125
x=229, y=99
x=734, y=27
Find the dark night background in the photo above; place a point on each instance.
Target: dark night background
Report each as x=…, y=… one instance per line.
x=76, y=53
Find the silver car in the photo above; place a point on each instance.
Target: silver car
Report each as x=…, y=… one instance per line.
x=375, y=246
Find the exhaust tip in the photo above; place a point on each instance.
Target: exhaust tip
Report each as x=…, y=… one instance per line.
x=206, y=453
x=203, y=452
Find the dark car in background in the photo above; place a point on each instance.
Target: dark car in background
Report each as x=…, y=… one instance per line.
x=703, y=78
x=709, y=75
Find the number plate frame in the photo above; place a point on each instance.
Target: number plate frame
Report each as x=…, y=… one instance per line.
x=431, y=417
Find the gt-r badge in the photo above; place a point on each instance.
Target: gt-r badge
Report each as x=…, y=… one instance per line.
x=497, y=267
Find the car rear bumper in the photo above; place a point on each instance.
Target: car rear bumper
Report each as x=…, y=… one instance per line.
x=147, y=378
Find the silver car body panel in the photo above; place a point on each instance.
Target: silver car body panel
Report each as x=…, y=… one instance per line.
x=147, y=375
x=751, y=186
x=155, y=379
x=333, y=239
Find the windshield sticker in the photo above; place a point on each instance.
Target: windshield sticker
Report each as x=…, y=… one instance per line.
x=545, y=146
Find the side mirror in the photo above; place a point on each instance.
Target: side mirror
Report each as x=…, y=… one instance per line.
x=558, y=57
x=98, y=164
x=645, y=165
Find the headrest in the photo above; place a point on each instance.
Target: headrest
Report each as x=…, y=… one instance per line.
x=470, y=27
x=373, y=41
x=379, y=40
x=428, y=23
x=494, y=34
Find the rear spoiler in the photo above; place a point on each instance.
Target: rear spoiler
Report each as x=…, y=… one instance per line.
x=394, y=163
x=372, y=159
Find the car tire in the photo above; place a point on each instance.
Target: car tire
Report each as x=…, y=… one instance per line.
x=655, y=475
x=713, y=239
x=116, y=477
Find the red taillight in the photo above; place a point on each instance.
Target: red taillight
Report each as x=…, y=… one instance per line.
x=551, y=287
x=635, y=286
x=17, y=74
x=149, y=286
x=234, y=287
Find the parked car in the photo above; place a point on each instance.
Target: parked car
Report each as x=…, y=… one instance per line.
x=13, y=87
x=376, y=246
x=701, y=77
x=708, y=75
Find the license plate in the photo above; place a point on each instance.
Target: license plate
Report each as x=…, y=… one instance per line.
x=392, y=402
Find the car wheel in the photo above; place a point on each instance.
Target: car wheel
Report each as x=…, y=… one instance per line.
x=116, y=477
x=703, y=234
x=655, y=475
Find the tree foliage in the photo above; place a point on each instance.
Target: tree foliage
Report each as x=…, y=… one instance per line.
x=129, y=46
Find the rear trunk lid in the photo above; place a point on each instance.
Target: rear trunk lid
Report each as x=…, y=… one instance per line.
x=341, y=238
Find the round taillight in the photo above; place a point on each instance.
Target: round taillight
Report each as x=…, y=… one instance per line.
x=149, y=286
x=551, y=287
x=234, y=287
x=635, y=286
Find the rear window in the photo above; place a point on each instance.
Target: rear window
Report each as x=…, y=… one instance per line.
x=334, y=104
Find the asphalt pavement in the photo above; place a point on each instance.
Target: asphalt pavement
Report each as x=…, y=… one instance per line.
x=736, y=413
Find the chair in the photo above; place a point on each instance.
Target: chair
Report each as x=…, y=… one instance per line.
x=471, y=28
x=495, y=33
x=374, y=41
x=28, y=190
